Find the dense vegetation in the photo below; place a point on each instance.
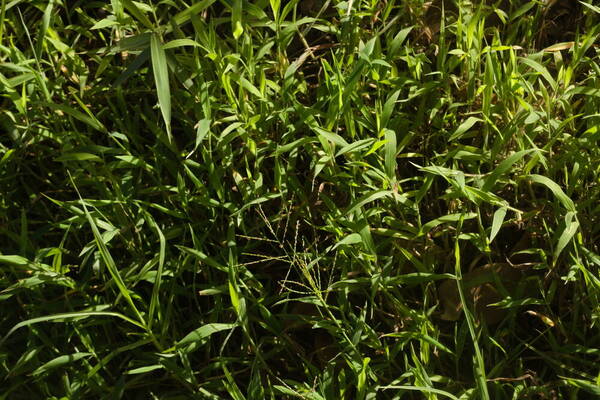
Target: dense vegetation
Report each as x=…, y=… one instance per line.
x=267, y=199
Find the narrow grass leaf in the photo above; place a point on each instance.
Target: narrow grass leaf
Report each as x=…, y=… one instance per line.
x=479, y=365
x=154, y=300
x=66, y=317
x=420, y=337
x=110, y=263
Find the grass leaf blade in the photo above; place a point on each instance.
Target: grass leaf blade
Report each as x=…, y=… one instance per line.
x=161, y=80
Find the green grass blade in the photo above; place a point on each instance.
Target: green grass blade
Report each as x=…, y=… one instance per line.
x=59, y=361
x=479, y=367
x=110, y=263
x=68, y=316
x=390, y=154
x=161, y=80
x=555, y=189
x=203, y=332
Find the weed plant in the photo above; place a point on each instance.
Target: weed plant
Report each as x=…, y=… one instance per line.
x=314, y=199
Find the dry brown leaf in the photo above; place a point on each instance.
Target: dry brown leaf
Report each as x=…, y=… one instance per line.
x=558, y=47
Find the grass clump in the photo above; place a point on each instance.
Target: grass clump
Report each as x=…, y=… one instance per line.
x=317, y=199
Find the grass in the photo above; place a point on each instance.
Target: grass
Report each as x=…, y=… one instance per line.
x=303, y=199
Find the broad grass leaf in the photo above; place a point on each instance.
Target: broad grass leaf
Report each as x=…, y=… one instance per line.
x=87, y=119
x=250, y=88
x=77, y=156
x=555, y=189
x=388, y=108
x=117, y=7
x=539, y=68
x=44, y=27
x=204, y=258
x=293, y=145
x=368, y=198
x=352, y=238
x=185, y=15
x=588, y=386
x=104, y=23
x=559, y=47
x=133, y=67
x=355, y=146
x=330, y=136
x=137, y=13
x=464, y=128
x=390, y=154
x=236, y=19
x=591, y=7
x=173, y=44
x=203, y=332
x=14, y=260
x=571, y=226
x=398, y=40
x=59, y=362
x=137, y=42
x=201, y=131
x=446, y=218
x=161, y=80
x=362, y=379
x=143, y=370
x=497, y=221
x=235, y=298
x=503, y=168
